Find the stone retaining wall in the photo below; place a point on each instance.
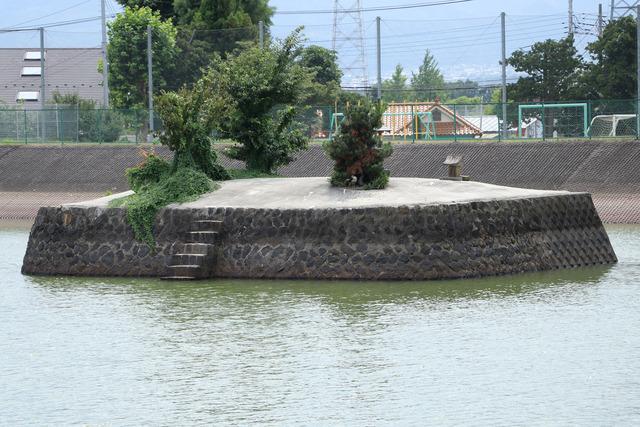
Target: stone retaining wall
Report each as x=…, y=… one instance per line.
x=421, y=242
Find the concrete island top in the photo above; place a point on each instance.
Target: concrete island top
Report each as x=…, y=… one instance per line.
x=310, y=193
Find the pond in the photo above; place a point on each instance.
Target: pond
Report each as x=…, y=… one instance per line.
x=538, y=349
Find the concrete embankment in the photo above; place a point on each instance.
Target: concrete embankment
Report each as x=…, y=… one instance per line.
x=304, y=229
x=607, y=169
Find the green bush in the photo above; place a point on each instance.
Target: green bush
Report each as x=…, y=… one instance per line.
x=358, y=150
x=93, y=124
x=150, y=171
x=189, y=117
x=182, y=186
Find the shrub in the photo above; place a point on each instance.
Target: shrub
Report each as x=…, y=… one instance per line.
x=189, y=117
x=182, y=186
x=358, y=150
x=93, y=124
x=150, y=171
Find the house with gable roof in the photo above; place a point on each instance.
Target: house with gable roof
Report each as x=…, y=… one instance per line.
x=427, y=120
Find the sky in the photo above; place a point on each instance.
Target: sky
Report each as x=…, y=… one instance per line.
x=464, y=38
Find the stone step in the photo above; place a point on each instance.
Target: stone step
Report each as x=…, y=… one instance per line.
x=207, y=225
x=194, y=271
x=178, y=278
x=188, y=259
x=196, y=248
x=202, y=236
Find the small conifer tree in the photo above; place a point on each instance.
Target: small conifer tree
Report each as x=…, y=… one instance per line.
x=358, y=150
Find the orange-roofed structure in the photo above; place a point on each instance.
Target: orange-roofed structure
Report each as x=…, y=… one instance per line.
x=427, y=120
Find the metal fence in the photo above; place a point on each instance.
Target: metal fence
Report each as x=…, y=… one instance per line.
x=406, y=121
x=70, y=124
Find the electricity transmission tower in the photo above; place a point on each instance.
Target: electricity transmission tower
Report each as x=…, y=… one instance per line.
x=348, y=41
x=620, y=8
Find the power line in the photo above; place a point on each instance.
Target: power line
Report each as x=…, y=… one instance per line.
x=371, y=9
x=50, y=14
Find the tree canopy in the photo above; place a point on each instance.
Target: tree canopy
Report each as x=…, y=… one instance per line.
x=394, y=88
x=428, y=80
x=323, y=63
x=552, y=69
x=127, y=57
x=263, y=88
x=612, y=75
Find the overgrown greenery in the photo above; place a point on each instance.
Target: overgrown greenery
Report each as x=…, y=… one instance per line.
x=156, y=191
x=358, y=151
x=262, y=88
x=189, y=116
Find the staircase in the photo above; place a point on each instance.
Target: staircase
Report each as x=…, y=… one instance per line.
x=194, y=259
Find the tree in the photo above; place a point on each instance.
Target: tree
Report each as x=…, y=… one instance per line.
x=165, y=7
x=189, y=116
x=323, y=63
x=552, y=69
x=358, y=150
x=428, y=80
x=394, y=88
x=222, y=24
x=127, y=55
x=613, y=74
x=262, y=87
x=461, y=88
x=207, y=27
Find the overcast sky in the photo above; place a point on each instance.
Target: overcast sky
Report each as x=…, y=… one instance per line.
x=464, y=38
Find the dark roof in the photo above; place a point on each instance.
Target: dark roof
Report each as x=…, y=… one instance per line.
x=67, y=70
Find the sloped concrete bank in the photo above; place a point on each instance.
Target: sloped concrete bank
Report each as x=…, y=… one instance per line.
x=465, y=238
x=606, y=169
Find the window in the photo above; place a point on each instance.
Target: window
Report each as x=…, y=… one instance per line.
x=27, y=96
x=30, y=71
x=437, y=115
x=32, y=56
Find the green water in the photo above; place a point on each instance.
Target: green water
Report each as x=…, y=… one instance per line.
x=559, y=348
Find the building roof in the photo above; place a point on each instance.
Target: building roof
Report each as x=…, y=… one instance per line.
x=67, y=70
x=399, y=116
x=487, y=123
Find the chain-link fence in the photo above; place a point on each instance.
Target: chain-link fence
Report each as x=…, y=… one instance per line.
x=402, y=122
x=432, y=121
x=71, y=124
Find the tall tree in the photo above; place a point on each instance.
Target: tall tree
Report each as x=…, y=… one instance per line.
x=222, y=24
x=552, y=68
x=394, y=89
x=127, y=55
x=323, y=63
x=428, y=80
x=613, y=73
x=263, y=88
x=207, y=27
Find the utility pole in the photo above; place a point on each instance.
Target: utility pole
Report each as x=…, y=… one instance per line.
x=570, y=17
x=379, y=58
x=613, y=6
x=150, y=78
x=105, y=64
x=261, y=33
x=600, y=21
x=42, y=87
x=503, y=62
